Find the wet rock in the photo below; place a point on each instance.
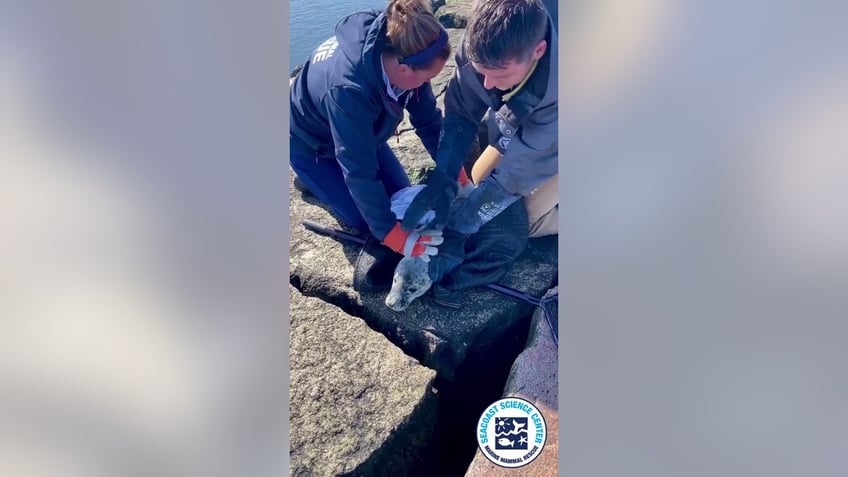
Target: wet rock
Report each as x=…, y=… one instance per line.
x=454, y=13
x=358, y=405
x=295, y=71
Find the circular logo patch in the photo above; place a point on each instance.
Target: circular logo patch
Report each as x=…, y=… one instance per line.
x=511, y=432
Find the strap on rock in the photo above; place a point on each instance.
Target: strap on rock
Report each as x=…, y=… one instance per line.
x=550, y=309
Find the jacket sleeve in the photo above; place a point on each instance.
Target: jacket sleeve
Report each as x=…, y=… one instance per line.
x=351, y=115
x=425, y=117
x=531, y=156
x=463, y=111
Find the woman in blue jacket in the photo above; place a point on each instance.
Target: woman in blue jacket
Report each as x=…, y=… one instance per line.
x=348, y=100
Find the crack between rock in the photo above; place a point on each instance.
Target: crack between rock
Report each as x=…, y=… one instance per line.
x=448, y=391
x=341, y=301
x=442, y=92
x=294, y=280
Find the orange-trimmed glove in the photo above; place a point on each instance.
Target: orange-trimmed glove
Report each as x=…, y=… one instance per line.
x=417, y=243
x=466, y=187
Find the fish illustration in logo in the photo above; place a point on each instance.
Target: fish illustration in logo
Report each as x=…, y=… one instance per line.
x=505, y=442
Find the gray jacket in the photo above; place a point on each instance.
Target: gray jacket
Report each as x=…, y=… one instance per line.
x=524, y=129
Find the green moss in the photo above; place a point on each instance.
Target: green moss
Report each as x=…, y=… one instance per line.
x=420, y=174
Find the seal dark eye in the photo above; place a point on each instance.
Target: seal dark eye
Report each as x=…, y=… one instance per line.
x=413, y=290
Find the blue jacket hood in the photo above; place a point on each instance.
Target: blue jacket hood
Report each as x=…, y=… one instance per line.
x=362, y=39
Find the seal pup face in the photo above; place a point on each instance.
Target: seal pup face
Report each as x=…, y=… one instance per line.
x=411, y=280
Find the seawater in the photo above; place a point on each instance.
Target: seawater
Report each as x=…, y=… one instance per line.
x=313, y=21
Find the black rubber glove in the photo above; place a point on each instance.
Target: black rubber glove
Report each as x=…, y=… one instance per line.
x=437, y=195
x=455, y=140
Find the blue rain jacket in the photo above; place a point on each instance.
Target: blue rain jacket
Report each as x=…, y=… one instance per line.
x=341, y=110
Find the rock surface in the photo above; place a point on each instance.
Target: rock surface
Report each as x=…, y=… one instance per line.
x=359, y=406
x=454, y=13
x=533, y=377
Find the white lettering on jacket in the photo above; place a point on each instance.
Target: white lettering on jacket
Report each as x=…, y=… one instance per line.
x=326, y=50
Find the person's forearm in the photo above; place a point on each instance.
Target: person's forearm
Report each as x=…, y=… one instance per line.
x=455, y=142
x=372, y=201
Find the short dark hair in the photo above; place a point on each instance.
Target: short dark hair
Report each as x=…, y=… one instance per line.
x=503, y=30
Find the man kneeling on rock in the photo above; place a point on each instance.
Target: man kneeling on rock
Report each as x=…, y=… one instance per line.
x=506, y=65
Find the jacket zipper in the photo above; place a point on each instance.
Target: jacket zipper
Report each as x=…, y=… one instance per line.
x=398, y=110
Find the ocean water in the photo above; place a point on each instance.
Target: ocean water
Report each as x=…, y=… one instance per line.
x=312, y=21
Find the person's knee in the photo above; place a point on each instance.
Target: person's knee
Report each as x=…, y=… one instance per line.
x=546, y=224
x=342, y=206
x=352, y=218
x=542, y=209
x=536, y=215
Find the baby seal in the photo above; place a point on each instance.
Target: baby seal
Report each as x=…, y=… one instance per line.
x=411, y=280
x=467, y=260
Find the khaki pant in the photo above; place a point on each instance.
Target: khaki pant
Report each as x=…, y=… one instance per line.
x=542, y=204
